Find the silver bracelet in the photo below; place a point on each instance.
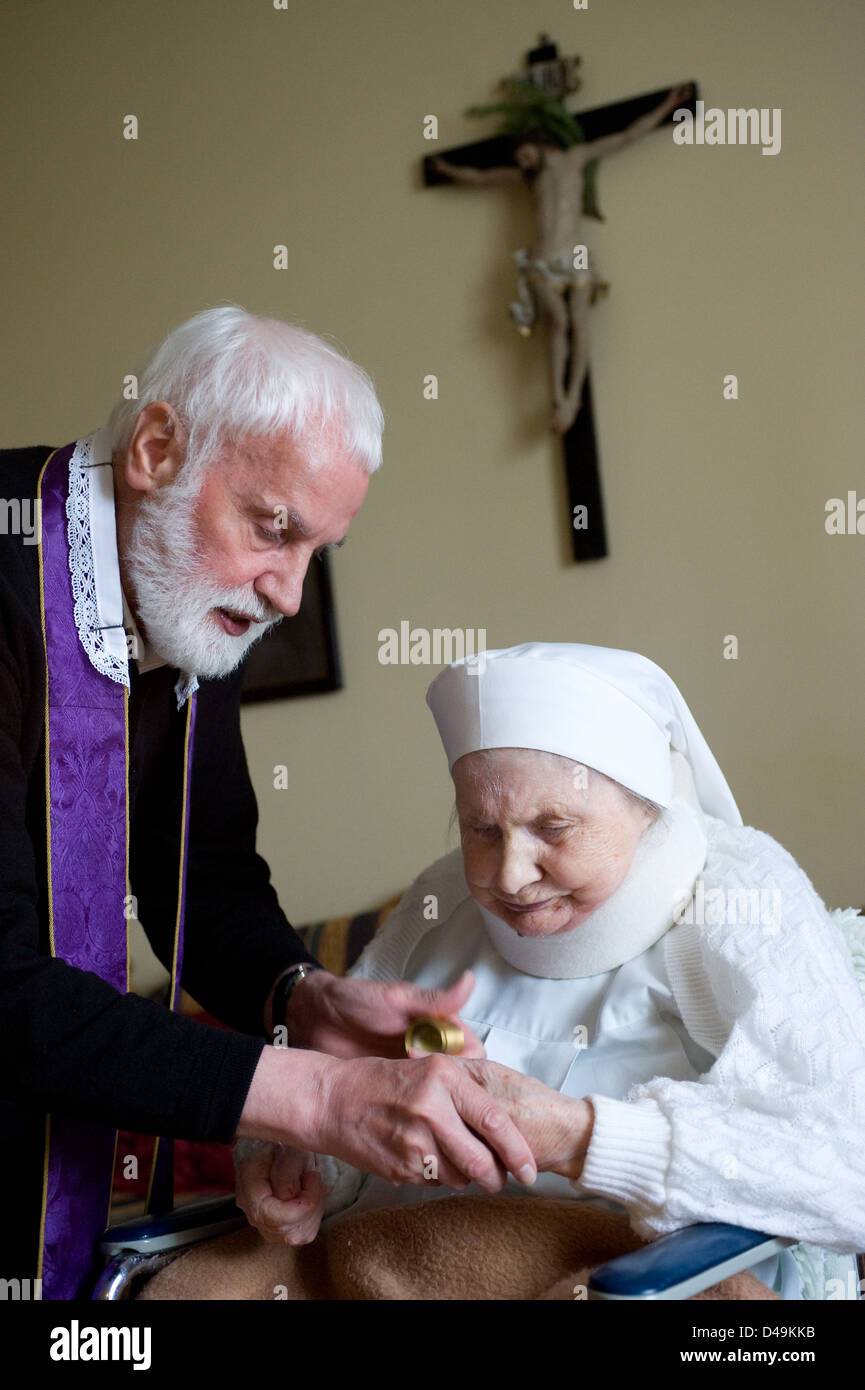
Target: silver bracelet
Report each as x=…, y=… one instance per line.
x=284, y=985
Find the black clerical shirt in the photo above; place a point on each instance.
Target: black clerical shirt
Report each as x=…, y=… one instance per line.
x=69, y=1042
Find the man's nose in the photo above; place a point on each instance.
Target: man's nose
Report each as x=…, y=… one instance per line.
x=283, y=586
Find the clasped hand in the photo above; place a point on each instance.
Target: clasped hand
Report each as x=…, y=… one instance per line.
x=388, y=1117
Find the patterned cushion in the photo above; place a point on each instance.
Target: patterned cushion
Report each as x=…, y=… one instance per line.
x=338, y=942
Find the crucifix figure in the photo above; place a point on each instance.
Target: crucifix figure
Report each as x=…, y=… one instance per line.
x=546, y=147
x=557, y=271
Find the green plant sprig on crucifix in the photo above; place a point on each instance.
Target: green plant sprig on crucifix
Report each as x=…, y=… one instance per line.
x=547, y=148
x=532, y=115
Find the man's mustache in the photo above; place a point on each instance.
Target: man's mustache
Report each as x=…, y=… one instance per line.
x=257, y=612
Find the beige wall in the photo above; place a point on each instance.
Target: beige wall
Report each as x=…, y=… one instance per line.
x=305, y=127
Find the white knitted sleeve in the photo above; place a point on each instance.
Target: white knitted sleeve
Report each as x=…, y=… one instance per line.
x=773, y=1135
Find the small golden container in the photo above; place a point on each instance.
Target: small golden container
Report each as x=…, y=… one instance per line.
x=434, y=1035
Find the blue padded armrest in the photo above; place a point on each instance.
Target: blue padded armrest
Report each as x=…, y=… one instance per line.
x=143, y=1245
x=684, y=1263
x=184, y=1226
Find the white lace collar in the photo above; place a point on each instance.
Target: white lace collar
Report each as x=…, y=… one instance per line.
x=100, y=608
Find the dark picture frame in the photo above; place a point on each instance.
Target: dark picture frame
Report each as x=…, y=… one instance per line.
x=301, y=655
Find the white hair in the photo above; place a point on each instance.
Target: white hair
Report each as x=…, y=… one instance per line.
x=230, y=375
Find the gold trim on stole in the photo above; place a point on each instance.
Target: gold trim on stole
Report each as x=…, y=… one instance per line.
x=180, y=872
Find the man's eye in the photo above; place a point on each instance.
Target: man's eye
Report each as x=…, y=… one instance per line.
x=554, y=830
x=269, y=535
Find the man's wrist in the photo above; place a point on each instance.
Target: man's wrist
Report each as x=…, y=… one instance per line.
x=288, y=1023
x=286, y=1102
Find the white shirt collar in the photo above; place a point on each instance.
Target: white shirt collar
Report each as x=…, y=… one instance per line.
x=145, y=658
x=120, y=633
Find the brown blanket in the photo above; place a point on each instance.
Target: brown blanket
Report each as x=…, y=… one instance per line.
x=461, y=1247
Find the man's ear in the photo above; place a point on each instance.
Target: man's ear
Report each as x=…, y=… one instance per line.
x=156, y=450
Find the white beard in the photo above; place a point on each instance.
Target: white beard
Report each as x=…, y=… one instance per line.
x=174, y=595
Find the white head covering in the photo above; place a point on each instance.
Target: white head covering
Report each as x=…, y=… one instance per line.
x=619, y=713
x=612, y=710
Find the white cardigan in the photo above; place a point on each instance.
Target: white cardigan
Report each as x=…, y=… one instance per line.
x=783, y=1107
x=772, y=1134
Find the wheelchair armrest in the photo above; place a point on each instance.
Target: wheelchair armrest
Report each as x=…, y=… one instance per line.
x=144, y=1244
x=684, y=1263
x=214, y=1216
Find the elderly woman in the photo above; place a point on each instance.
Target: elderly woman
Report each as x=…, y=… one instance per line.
x=669, y=975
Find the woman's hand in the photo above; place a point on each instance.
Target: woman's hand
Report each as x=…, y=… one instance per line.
x=279, y=1191
x=364, y=1018
x=558, y=1128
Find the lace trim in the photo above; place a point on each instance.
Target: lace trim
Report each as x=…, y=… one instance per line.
x=91, y=636
x=81, y=568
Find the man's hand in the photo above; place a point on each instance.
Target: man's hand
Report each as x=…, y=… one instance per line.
x=363, y=1018
x=421, y=1120
x=557, y=1127
x=279, y=1191
x=412, y=1121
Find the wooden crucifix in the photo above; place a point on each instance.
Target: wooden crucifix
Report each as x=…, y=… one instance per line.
x=557, y=160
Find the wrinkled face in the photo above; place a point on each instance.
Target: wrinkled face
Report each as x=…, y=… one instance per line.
x=212, y=572
x=545, y=840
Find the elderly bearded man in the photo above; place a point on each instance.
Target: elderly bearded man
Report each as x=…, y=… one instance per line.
x=126, y=775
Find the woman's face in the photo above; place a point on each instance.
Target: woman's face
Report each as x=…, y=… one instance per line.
x=545, y=840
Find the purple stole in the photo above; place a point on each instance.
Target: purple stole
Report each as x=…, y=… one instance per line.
x=87, y=812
